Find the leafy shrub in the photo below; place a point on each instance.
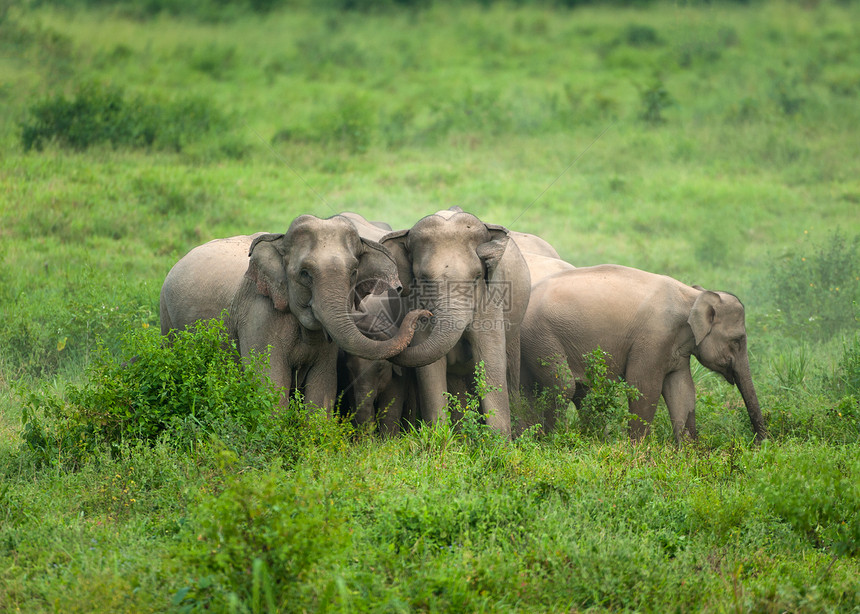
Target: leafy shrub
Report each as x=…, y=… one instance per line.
x=188, y=389
x=654, y=100
x=254, y=544
x=605, y=411
x=813, y=292
x=99, y=113
x=638, y=35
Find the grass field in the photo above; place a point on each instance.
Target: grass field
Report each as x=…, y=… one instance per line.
x=717, y=143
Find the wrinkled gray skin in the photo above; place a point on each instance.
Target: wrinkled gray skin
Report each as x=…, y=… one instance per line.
x=481, y=285
x=294, y=292
x=650, y=325
x=373, y=390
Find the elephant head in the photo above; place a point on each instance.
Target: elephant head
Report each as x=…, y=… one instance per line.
x=318, y=271
x=717, y=321
x=445, y=262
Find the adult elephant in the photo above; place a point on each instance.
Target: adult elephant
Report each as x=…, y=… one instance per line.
x=294, y=292
x=541, y=267
x=474, y=279
x=650, y=325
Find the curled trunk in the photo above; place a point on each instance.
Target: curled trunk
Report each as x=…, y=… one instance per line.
x=335, y=314
x=449, y=322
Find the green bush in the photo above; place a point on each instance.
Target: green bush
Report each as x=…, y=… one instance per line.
x=654, y=100
x=99, y=113
x=188, y=390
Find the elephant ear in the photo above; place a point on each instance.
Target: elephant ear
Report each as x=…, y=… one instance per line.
x=395, y=243
x=703, y=313
x=267, y=268
x=377, y=269
x=492, y=251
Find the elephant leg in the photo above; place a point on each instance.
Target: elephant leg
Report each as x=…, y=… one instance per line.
x=691, y=425
x=321, y=382
x=680, y=395
x=432, y=385
x=496, y=405
x=390, y=402
x=512, y=347
x=281, y=374
x=645, y=406
x=280, y=370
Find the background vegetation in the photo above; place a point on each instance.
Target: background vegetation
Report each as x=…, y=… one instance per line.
x=717, y=143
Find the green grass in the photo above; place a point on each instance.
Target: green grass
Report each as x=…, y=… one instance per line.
x=717, y=144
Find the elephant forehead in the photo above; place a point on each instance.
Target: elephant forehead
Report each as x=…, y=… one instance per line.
x=448, y=255
x=325, y=236
x=462, y=228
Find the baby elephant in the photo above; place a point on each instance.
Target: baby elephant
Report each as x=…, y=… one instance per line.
x=650, y=325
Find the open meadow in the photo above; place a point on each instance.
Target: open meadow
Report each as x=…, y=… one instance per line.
x=718, y=143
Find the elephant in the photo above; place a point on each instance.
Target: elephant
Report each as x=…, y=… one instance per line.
x=650, y=325
x=541, y=267
x=202, y=284
x=295, y=292
x=475, y=281
x=533, y=244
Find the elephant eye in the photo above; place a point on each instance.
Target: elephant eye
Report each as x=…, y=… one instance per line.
x=305, y=275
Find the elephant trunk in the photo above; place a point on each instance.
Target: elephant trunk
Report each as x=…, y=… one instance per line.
x=449, y=322
x=335, y=314
x=743, y=380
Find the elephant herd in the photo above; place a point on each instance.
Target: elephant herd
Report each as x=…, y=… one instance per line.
x=387, y=324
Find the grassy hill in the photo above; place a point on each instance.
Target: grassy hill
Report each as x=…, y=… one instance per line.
x=715, y=143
